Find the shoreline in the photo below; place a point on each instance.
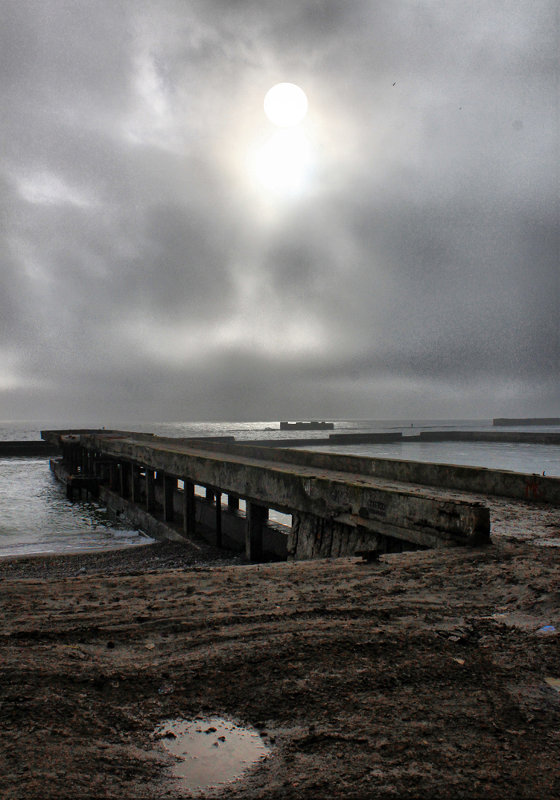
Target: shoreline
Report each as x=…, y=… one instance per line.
x=75, y=551
x=122, y=560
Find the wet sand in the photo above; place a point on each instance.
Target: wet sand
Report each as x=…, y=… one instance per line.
x=423, y=675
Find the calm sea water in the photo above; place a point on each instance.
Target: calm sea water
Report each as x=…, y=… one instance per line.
x=35, y=516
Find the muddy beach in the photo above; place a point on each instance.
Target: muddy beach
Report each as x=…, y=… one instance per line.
x=426, y=674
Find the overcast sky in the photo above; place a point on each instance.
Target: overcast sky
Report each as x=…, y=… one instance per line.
x=168, y=253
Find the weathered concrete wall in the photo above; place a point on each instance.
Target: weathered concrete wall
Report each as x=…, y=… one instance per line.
x=313, y=537
x=478, y=480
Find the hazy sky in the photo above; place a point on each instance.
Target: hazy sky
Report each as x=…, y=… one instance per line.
x=169, y=253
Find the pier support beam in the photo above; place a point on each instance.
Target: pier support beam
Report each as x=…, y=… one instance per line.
x=169, y=486
x=114, y=477
x=218, y=519
x=256, y=519
x=232, y=502
x=134, y=483
x=189, y=508
x=150, y=491
x=124, y=470
x=83, y=460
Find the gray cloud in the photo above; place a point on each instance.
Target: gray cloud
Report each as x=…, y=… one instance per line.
x=146, y=273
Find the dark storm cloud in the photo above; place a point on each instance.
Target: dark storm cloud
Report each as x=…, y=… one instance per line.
x=144, y=275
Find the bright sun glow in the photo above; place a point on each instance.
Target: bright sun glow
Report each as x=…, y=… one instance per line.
x=285, y=105
x=284, y=162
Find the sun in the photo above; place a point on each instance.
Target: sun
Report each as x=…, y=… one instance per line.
x=282, y=162
x=285, y=105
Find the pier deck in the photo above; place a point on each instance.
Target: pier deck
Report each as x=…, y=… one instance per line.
x=339, y=505
x=335, y=509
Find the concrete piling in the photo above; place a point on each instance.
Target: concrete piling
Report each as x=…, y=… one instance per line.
x=256, y=517
x=150, y=491
x=189, y=508
x=169, y=485
x=218, y=521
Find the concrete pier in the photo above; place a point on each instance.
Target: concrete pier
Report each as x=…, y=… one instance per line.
x=336, y=509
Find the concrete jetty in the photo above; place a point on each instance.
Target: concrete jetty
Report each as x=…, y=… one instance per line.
x=335, y=508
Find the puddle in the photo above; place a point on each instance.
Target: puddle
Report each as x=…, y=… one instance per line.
x=210, y=751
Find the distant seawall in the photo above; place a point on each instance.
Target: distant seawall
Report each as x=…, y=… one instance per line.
x=333, y=438
x=38, y=448
x=526, y=421
x=525, y=437
x=27, y=449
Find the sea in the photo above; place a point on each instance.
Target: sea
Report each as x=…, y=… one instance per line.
x=36, y=517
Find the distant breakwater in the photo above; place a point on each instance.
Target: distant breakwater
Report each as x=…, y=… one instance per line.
x=40, y=448
x=505, y=421
x=27, y=449
x=525, y=437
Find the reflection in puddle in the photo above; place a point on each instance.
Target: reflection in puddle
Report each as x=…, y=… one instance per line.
x=210, y=751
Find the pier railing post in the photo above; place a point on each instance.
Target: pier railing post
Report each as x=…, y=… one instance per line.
x=256, y=518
